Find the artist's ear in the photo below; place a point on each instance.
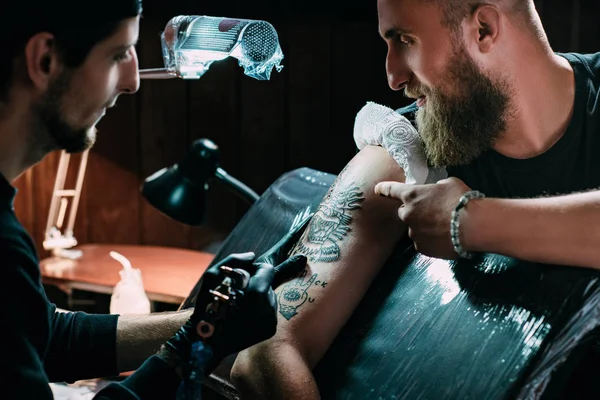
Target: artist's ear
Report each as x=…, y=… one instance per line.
x=41, y=59
x=484, y=27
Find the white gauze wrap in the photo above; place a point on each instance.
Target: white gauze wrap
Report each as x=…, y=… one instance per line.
x=378, y=125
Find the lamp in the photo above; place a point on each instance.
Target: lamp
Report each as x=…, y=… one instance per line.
x=191, y=43
x=180, y=190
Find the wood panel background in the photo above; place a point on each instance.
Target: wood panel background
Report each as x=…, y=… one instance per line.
x=303, y=116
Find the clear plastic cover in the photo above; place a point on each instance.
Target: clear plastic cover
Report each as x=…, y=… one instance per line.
x=192, y=43
x=491, y=328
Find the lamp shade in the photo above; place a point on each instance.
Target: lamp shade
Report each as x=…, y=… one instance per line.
x=191, y=43
x=180, y=190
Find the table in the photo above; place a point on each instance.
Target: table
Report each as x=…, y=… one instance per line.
x=169, y=274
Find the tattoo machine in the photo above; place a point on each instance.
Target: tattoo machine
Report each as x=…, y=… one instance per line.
x=224, y=296
x=227, y=293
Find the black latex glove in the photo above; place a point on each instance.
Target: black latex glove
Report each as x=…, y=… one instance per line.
x=279, y=253
x=254, y=317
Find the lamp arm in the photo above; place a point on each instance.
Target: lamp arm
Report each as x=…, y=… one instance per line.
x=157, y=73
x=241, y=189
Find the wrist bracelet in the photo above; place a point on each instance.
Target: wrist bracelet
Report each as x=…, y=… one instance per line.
x=455, y=224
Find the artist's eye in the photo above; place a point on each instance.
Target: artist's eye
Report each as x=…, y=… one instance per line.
x=122, y=56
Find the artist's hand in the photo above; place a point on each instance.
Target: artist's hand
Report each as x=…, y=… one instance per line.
x=277, y=254
x=427, y=211
x=254, y=316
x=252, y=319
x=255, y=319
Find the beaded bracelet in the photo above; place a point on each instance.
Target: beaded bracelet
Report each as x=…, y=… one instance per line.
x=455, y=224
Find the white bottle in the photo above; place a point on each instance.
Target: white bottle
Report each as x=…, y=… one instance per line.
x=129, y=296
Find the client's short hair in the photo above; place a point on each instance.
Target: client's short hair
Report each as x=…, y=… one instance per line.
x=455, y=11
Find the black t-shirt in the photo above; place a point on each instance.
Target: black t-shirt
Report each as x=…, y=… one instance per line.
x=40, y=345
x=571, y=165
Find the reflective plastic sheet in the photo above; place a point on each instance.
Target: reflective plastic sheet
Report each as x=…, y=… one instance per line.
x=490, y=328
x=435, y=329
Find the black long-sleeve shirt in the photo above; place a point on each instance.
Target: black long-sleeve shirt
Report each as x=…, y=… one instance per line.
x=41, y=345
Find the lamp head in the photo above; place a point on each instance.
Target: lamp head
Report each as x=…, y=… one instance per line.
x=191, y=43
x=180, y=190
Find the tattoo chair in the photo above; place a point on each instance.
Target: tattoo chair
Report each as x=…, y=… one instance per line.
x=491, y=328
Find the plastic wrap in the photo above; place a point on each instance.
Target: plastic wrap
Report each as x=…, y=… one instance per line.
x=378, y=125
x=192, y=43
x=489, y=328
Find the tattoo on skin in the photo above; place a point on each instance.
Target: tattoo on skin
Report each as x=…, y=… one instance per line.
x=319, y=243
x=331, y=223
x=294, y=294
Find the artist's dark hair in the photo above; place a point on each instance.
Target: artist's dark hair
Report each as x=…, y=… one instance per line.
x=76, y=26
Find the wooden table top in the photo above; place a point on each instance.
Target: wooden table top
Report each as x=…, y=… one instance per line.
x=169, y=274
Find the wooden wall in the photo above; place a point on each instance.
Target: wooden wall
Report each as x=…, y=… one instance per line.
x=303, y=116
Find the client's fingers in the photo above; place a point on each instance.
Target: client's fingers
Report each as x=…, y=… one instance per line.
x=394, y=190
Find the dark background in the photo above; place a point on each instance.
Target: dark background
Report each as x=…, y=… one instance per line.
x=303, y=116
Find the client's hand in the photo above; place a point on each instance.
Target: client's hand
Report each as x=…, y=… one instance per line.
x=427, y=211
x=253, y=317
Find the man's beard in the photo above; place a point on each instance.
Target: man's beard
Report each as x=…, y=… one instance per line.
x=457, y=127
x=57, y=133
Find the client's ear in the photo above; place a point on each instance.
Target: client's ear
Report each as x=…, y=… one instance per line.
x=484, y=27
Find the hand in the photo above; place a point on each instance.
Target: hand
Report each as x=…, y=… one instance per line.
x=250, y=320
x=253, y=318
x=427, y=211
x=277, y=254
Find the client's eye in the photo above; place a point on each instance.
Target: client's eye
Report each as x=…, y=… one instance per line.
x=406, y=40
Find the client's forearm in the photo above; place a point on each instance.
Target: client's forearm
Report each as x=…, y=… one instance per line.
x=348, y=240
x=140, y=336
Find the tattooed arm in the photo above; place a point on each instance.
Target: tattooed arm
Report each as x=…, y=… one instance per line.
x=347, y=242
